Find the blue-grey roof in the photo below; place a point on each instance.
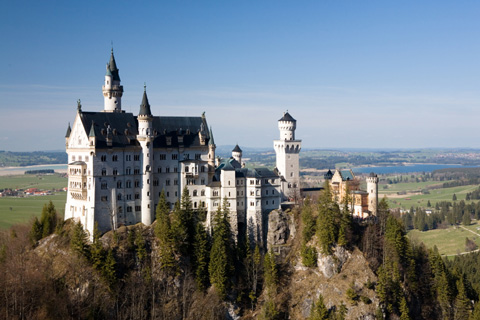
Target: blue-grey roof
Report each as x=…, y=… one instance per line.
x=237, y=149
x=113, y=67
x=145, y=106
x=346, y=175
x=69, y=130
x=287, y=117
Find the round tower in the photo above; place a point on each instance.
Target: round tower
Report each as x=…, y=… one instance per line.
x=112, y=90
x=372, y=189
x=145, y=138
x=237, y=154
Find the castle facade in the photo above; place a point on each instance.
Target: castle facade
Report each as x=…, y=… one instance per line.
x=119, y=163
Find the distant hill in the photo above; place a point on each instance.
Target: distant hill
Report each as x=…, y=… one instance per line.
x=21, y=159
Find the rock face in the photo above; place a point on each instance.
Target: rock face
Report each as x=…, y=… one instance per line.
x=279, y=225
x=332, y=278
x=330, y=265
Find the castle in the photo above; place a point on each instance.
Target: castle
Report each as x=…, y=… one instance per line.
x=119, y=163
x=362, y=203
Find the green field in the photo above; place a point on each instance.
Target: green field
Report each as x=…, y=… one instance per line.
x=25, y=181
x=449, y=241
x=21, y=209
x=415, y=198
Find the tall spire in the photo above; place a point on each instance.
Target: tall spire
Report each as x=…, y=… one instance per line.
x=211, y=141
x=69, y=130
x=145, y=106
x=113, y=67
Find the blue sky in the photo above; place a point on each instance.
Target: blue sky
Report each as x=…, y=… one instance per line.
x=366, y=74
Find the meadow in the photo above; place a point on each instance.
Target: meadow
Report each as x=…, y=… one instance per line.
x=449, y=241
x=15, y=210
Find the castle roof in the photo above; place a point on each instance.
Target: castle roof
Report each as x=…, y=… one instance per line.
x=169, y=132
x=287, y=117
x=211, y=142
x=346, y=175
x=69, y=130
x=237, y=149
x=112, y=66
x=145, y=106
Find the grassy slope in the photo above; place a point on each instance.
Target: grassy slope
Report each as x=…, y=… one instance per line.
x=420, y=200
x=16, y=210
x=449, y=241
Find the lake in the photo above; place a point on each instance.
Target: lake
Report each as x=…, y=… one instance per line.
x=408, y=168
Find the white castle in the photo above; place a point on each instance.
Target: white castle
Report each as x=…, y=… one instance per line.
x=119, y=163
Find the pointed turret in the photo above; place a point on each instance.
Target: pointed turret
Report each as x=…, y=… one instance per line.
x=112, y=90
x=92, y=130
x=237, y=154
x=69, y=130
x=145, y=106
x=211, y=142
x=211, y=153
x=113, y=67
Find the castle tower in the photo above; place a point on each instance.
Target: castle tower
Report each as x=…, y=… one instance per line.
x=237, y=154
x=372, y=189
x=287, y=150
x=145, y=138
x=112, y=90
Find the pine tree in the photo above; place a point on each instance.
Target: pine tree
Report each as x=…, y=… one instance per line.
x=48, y=219
x=308, y=221
x=188, y=218
x=37, y=230
x=221, y=263
x=109, y=272
x=78, y=241
x=141, y=250
x=326, y=228
x=97, y=253
x=201, y=255
x=463, y=305
x=404, y=311
x=466, y=220
x=166, y=239
x=319, y=310
x=270, y=273
x=179, y=229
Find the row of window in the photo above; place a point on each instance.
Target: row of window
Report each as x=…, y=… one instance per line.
x=80, y=158
x=136, y=157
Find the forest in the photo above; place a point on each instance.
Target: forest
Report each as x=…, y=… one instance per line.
x=175, y=269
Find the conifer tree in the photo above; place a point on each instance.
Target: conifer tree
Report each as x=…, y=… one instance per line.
x=78, y=241
x=97, y=253
x=319, y=310
x=201, y=255
x=463, y=305
x=179, y=229
x=164, y=233
x=141, y=250
x=308, y=221
x=48, y=219
x=326, y=228
x=37, y=230
x=188, y=218
x=221, y=262
x=404, y=311
x=108, y=271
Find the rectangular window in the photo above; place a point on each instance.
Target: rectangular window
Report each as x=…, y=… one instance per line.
x=198, y=156
x=174, y=156
x=163, y=156
x=136, y=157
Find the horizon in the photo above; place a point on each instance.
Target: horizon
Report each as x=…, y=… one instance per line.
x=354, y=75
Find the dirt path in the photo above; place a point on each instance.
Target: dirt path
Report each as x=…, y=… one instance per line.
x=470, y=230
x=466, y=252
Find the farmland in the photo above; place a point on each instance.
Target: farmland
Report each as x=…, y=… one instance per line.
x=20, y=209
